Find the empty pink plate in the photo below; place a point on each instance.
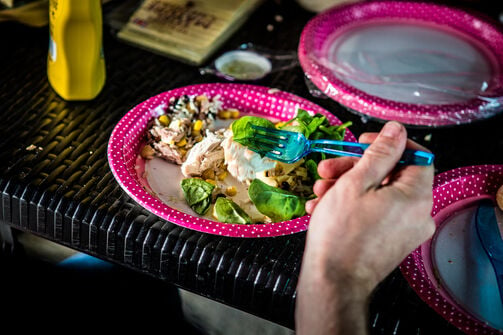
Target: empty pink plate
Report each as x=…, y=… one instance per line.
x=421, y=64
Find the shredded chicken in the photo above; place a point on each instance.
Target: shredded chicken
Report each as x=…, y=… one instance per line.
x=168, y=153
x=207, y=154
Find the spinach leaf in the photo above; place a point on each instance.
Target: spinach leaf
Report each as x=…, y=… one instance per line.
x=242, y=132
x=334, y=132
x=197, y=193
x=303, y=116
x=278, y=204
x=299, y=128
x=327, y=131
x=305, y=123
x=228, y=211
x=312, y=169
x=311, y=122
x=316, y=122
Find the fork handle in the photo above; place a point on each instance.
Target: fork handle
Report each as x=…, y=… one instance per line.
x=342, y=148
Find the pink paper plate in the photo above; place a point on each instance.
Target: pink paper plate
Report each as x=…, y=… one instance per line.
x=421, y=64
x=127, y=137
x=454, y=191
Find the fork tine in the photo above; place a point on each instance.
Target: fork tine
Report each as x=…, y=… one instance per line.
x=265, y=145
x=275, y=154
x=271, y=132
x=269, y=140
x=274, y=143
x=266, y=133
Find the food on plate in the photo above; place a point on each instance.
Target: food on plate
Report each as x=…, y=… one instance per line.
x=207, y=156
x=183, y=123
x=198, y=194
x=275, y=202
x=228, y=211
x=242, y=163
x=222, y=178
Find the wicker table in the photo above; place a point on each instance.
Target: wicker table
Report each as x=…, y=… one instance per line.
x=64, y=191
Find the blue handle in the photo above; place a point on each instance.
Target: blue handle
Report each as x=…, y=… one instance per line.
x=342, y=148
x=486, y=225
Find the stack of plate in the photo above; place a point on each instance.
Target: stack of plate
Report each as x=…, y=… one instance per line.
x=417, y=63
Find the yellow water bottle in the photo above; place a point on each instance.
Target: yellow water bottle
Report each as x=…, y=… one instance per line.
x=75, y=63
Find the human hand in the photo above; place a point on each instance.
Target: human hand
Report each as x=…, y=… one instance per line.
x=369, y=215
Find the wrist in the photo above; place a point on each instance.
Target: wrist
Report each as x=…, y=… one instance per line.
x=345, y=273
x=328, y=305
x=345, y=286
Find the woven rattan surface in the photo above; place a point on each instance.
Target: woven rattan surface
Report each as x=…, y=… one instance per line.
x=55, y=180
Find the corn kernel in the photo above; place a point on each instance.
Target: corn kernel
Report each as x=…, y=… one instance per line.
x=279, y=125
x=182, y=142
x=234, y=114
x=211, y=181
x=224, y=114
x=198, y=138
x=231, y=191
x=222, y=175
x=208, y=174
x=183, y=152
x=197, y=126
x=164, y=120
x=147, y=152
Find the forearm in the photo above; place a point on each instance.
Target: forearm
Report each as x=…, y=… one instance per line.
x=328, y=306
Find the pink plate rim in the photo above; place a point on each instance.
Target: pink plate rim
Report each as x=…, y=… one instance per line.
x=121, y=155
x=340, y=18
x=478, y=182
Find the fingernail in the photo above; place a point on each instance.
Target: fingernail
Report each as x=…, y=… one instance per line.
x=391, y=129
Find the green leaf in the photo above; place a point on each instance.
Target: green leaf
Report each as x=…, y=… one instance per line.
x=300, y=128
x=335, y=132
x=305, y=123
x=315, y=123
x=228, y=211
x=303, y=115
x=278, y=204
x=197, y=193
x=242, y=131
x=312, y=169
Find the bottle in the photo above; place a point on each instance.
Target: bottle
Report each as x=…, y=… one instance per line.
x=75, y=63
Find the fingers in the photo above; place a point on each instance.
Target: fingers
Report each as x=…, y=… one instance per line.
x=311, y=205
x=330, y=170
x=380, y=158
x=370, y=137
x=321, y=186
x=333, y=168
x=414, y=178
x=410, y=175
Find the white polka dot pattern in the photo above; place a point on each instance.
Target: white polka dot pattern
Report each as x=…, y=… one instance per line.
x=320, y=31
x=126, y=140
x=451, y=187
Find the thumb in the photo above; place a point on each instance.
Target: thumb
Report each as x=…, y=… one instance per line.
x=381, y=157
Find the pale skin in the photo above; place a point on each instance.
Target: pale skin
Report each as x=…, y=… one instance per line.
x=368, y=216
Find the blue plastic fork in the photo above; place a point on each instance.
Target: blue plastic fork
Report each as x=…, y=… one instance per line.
x=289, y=147
x=486, y=225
